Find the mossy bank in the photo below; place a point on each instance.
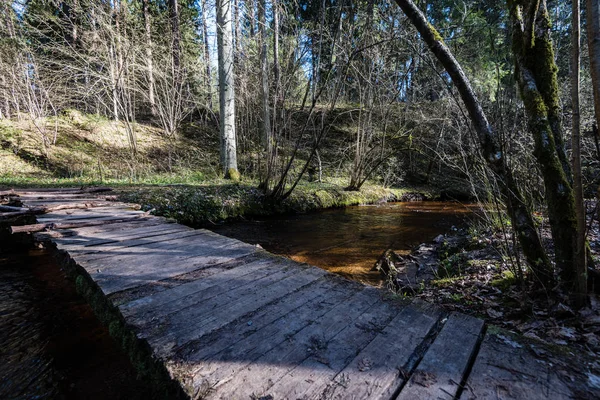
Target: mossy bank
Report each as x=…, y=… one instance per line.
x=205, y=205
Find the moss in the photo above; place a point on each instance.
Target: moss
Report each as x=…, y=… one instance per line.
x=444, y=282
x=233, y=174
x=506, y=280
x=436, y=34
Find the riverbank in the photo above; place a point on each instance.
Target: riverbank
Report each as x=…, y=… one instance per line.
x=211, y=203
x=474, y=271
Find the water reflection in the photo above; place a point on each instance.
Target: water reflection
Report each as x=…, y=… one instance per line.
x=348, y=241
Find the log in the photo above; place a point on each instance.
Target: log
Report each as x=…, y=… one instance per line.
x=47, y=209
x=12, y=208
x=10, y=192
x=12, y=214
x=68, y=225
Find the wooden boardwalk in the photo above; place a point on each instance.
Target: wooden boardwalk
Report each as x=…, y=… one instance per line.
x=205, y=316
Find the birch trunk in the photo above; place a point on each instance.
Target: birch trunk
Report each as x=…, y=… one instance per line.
x=226, y=89
x=206, y=53
x=149, y=61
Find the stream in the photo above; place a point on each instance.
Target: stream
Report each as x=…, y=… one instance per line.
x=349, y=241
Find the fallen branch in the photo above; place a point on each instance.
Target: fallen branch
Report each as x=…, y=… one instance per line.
x=69, y=225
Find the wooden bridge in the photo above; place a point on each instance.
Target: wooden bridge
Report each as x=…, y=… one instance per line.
x=205, y=316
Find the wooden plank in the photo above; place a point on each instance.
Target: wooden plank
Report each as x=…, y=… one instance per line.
x=113, y=275
x=192, y=323
x=107, y=249
x=377, y=372
x=78, y=238
x=193, y=243
x=213, y=359
x=287, y=315
x=70, y=215
x=258, y=377
x=158, y=306
x=126, y=296
x=441, y=371
x=313, y=377
x=98, y=189
x=507, y=369
x=74, y=224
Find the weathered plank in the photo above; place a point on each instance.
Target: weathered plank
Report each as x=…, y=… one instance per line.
x=506, y=369
x=70, y=215
x=195, y=322
x=266, y=370
x=378, y=371
x=288, y=314
x=119, y=247
x=106, y=234
x=153, y=308
x=215, y=358
x=440, y=372
x=192, y=243
x=74, y=223
x=114, y=274
x=312, y=378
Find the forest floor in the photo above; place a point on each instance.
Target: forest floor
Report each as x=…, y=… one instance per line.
x=476, y=274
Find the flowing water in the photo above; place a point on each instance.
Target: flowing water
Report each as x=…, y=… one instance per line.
x=349, y=241
x=51, y=344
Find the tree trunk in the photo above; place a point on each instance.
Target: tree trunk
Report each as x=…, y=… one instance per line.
x=264, y=73
x=226, y=89
x=149, y=61
x=579, y=245
x=536, y=76
x=276, y=67
x=206, y=52
x=593, y=35
x=176, y=39
x=251, y=5
x=521, y=218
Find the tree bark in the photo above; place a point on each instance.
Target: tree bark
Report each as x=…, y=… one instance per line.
x=521, y=217
x=276, y=66
x=580, y=260
x=536, y=77
x=149, y=61
x=206, y=51
x=593, y=35
x=176, y=38
x=264, y=74
x=226, y=89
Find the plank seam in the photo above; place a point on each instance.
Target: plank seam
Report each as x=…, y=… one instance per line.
x=471, y=363
x=415, y=359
